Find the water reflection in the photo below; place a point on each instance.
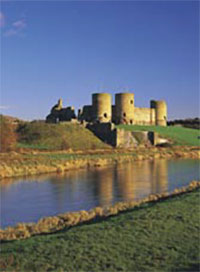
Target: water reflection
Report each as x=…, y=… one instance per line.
x=159, y=177
x=126, y=185
x=142, y=179
x=32, y=198
x=104, y=186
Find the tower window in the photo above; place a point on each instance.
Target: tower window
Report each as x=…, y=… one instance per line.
x=124, y=114
x=105, y=115
x=131, y=101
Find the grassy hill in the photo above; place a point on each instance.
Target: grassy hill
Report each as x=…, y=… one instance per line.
x=63, y=136
x=179, y=135
x=10, y=119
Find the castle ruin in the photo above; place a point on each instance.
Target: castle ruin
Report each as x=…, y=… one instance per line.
x=58, y=113
x=102, y=111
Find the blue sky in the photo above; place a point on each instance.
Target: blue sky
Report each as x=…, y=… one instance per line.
x=71, y=49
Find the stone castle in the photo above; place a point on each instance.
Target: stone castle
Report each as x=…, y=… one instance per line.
x=102, y=111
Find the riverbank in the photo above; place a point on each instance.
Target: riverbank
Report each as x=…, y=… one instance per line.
x=26, y=162
x=61, y=221
x=160, y=235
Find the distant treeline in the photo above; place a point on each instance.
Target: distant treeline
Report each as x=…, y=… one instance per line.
x=188, y=123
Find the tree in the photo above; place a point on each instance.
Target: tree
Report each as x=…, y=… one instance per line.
x=8, y=137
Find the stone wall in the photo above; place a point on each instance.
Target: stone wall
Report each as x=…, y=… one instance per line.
x=144, y=116
x=122, y=138
x=86, y=113
x=104, y=131
x=63, y=114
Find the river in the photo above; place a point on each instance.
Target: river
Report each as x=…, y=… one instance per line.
x=29, y=199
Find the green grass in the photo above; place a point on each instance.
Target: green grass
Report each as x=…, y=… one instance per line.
x=38, y=135
x=34, y=146
x=155, y=237
x=179, y=135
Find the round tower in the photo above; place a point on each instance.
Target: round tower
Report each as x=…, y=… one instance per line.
x=102, y=107
x=160, y=112
x=124, y=108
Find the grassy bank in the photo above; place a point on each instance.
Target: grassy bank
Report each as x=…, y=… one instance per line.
x=179, y=135
x=163, y=236
x=15, y=164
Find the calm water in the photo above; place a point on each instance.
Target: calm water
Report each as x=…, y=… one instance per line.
x=27, y=200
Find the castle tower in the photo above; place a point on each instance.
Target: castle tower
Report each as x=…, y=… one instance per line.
x=160, y=112
x=124, y=108
x=102, y=107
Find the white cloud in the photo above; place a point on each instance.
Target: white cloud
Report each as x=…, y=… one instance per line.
x=19, y=24
x=4, y=107
x=10, y=32
x=16, y=29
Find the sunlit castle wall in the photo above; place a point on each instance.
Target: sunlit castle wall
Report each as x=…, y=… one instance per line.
x=144, y=116
x=124, y=108
x=160, y=112
x=102, y=107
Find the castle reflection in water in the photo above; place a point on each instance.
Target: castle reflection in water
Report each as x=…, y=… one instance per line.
x=29, y=199
x=103, y=186
x=132, y=182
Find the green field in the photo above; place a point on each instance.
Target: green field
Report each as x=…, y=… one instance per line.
x=155, y=237
x=179, y=135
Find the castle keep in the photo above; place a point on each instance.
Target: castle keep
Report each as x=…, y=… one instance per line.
x=122, y=112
